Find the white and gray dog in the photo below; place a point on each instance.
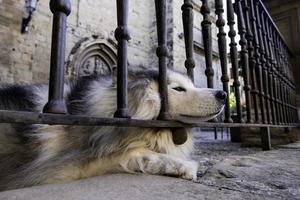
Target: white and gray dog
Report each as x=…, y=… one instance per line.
x=40, y=154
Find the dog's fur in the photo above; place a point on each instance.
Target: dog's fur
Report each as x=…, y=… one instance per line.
x=39, y=154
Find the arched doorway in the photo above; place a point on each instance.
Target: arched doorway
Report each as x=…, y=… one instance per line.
x=95, y=57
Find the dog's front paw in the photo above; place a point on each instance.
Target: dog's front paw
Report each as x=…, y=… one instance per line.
x=189, y=171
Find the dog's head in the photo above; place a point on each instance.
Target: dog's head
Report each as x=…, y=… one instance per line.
x=186, y=102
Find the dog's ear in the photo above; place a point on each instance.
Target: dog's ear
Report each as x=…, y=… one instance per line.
x=114, y=76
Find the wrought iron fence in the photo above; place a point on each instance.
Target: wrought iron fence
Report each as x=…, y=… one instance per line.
x=264, y=59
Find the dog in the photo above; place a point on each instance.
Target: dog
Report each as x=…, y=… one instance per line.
x=41, y=154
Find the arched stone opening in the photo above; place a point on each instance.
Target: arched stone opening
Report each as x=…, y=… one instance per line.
x=88, y=57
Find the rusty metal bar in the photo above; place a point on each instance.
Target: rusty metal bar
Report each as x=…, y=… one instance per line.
x=234, y=60
x=7, y=116
x=287, y=83
x=257, y=38
x=244, y=58
x=223, y=55
x=262, y=51
x=264, y=60
x=289, y=86
x=251, y=59
x=272, y=75
x=122, y=36
x=284, y=83
x=207, y=43
x=265, y=11
x=188, y=26
x=267, y=69
x=162, y=53
x=56, y=104
x=279, y=78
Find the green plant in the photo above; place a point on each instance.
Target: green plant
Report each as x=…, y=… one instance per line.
x=232, y=102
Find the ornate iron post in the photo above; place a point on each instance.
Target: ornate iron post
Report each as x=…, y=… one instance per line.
x=257, y=41
x=122, y=36
x=223, y=56
x=251, y=58
x=234, y=60
x=207, y=42
x=244, y=58
x=188, y=26
x=162, y=54
x=56, y=104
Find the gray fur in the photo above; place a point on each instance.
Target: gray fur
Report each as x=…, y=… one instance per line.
x=39, y=154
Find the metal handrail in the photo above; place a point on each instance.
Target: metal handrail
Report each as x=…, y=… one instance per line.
x=7, y=116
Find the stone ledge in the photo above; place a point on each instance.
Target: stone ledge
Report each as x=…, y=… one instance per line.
x=125, y=186
x=229, y=172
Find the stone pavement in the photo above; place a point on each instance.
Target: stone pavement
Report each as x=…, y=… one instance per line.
x=227, y=171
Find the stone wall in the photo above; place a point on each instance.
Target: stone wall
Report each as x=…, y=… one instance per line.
x=25, y=57
x=178, y=44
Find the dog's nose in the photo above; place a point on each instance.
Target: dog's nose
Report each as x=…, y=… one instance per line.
x=221, y=96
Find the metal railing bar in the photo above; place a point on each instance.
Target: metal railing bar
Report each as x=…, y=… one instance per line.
x=244, y=58
x=257, y=54
x=263, y=60
x=162, y=54
x=274, y=73
x=222, y=44
x=234, y=60
x=279, y=78
x=265, y=10
x=188, y=27
x=7, y=116
x=270, y=69
x=267, y=65
x=267, y=69
x=251, y=59
x=56, y=103
x=207, y=42
x=122, y=36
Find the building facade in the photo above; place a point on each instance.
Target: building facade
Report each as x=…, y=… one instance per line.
x=91, y=46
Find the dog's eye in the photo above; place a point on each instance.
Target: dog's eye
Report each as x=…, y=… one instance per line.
x=179, y=89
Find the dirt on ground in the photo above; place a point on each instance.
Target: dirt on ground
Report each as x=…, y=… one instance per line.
x=271, y=174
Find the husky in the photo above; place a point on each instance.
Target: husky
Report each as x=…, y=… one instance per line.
x=41, y=154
